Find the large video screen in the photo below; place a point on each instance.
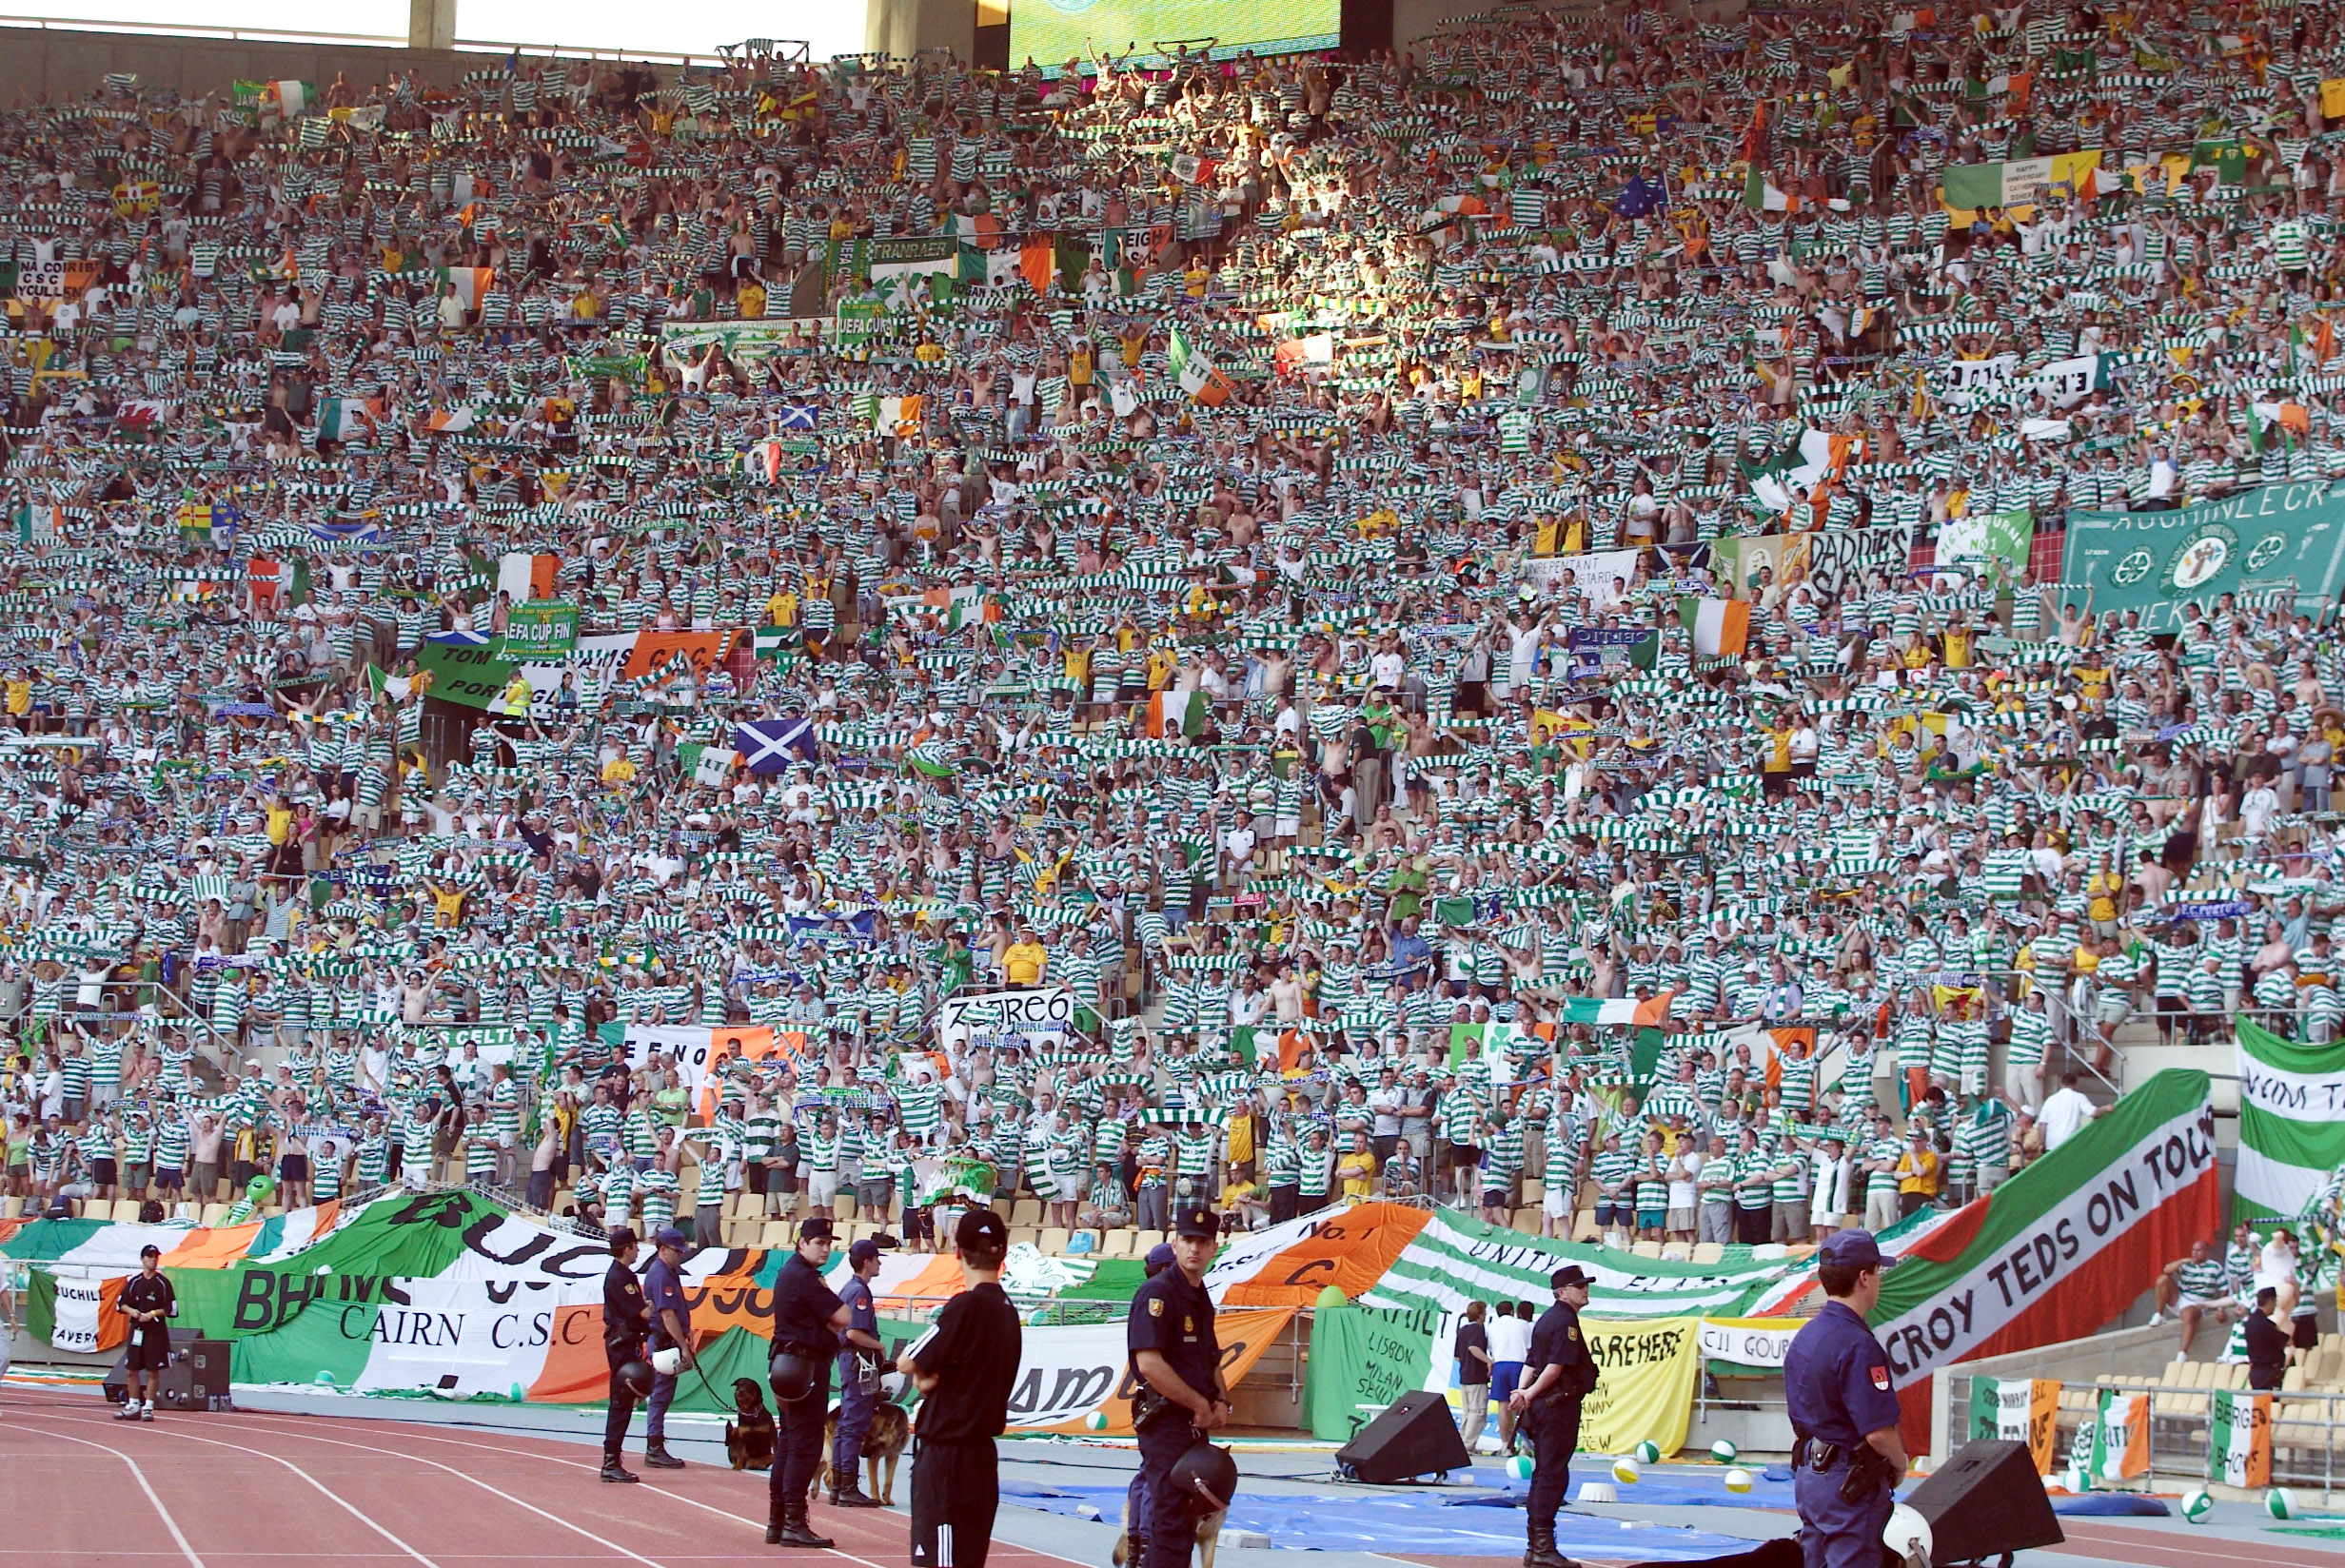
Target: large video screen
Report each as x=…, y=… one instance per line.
x=1054, y=32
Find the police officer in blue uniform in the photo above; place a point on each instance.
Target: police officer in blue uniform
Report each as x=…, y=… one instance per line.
x=807, y=1317
x=1557, y=1379
x=1176, y=1366
x=670, y=1330
x=1847, y=1456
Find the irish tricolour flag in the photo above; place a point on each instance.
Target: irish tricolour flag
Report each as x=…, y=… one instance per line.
x=1720, y=627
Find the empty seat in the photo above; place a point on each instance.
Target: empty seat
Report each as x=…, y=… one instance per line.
x=777, y=1234
x=1024, y=1235
x=1143, y=1242
x=1583, y=1227
x=1054, y=1241
x=215, y=1213
x=1676, y=1251
x=1026, y=1212
x=125, y=1210
x=1645, y=1250
x=1709, y=1252
x=1115, y=1242
x=1533, y=1191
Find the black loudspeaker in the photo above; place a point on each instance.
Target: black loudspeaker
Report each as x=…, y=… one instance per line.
x=1414, y=1435
x=1985, y=1502
x=196, y=1378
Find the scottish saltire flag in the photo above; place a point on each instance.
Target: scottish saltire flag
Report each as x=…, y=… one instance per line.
x=771, y=745
x=797, y=416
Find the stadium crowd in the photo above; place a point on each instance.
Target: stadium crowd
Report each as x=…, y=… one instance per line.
x=1286, y=549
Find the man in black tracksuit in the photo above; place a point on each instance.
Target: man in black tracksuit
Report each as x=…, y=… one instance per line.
x=625, y=1321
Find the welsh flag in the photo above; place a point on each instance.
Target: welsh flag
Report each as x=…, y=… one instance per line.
x=1172, y=714
x=1196, y=374
x=1720, y=627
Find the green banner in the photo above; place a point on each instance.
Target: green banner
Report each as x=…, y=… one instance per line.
x=541, y=626
x=468, y=677
x=1361, y=1359
x=2279, y=538
x=1982, y=536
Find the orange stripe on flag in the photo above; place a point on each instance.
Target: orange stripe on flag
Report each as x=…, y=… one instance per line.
x=1352, y=1252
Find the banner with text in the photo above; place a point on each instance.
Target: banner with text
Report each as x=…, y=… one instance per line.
x=2280, y=539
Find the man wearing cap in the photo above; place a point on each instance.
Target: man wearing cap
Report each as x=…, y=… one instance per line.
x=964, y=1367
x=859, y=1375
x=625, y=1321
x=806, y=1321
x=670, y=1330
x=1559, y=1376
x=150, y=1303
x=1843, y=1412
x=1177, y=1356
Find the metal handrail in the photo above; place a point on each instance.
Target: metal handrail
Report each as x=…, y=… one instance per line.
x=382, y=40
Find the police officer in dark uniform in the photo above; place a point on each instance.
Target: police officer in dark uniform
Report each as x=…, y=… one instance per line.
x=1558, y=1376
x=964, y=1367
x=1846, y=1456
x=1176, y=1362
x=807, y=1317
x=625, y=1321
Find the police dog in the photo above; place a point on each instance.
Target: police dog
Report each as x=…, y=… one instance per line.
x=749, y=1442
x=1209, y=1539
x=890, y=1435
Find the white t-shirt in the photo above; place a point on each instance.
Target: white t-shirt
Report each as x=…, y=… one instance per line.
x=2064, y=1113
x=1509, y=1339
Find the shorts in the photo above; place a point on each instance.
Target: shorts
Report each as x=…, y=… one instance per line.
x=1608, y=1213
x=2115, y=1010
x=1556, y=1202
x=103, y=1172
x=1463, y=1156
x=167, y=1180
x=822, y=1187
x=150, y=1350
x=2207, y=1303
x=1493, y=1197
x=294, y=1167
x=1680, y=1219
x=1651, y=1218
x=1505, y=1377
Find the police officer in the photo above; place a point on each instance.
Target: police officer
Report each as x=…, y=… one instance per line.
x=1557, y=1376
x=625, y=1321
x=807, y=1317
x=1133, y=1550
x=670, y=1330
x=1846, y=1456
x=964, y=1367
x=859, y=1375
x=1177, y=1357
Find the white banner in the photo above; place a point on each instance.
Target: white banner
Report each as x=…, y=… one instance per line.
x=1036, y=1017
x=2060, y=1241
x=78, y=1305
x=456, y=1338
x=693, y=1047
x=1593, y=575
x=1750, y=1343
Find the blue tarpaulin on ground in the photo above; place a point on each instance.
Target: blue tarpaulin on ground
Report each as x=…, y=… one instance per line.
x=1442, y=1520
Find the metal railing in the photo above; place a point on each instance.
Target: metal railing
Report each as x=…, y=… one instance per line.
x=2308, y=1430
x=365, y=40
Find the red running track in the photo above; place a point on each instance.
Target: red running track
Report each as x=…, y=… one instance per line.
x=80, y=1490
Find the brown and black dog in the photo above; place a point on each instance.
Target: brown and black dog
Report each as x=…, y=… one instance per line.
x=1208, y=1540
x=749, y=1442
x=890, y=1435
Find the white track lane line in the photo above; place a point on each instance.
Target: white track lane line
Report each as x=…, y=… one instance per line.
x=169, y=1523
x=408, y=1431
x=417, y=1459
x=172, y=1430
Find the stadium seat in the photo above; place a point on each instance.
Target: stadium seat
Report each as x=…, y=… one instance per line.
x=1144, y=1240
x=842, y=1208
x=1534, y=1191
x=1093, y=1251
x=1115, y=1242
x=1677, y=1252
x=1024, y=1236
x=777, y=1234
x=1583, y=1227
x=11, y=1209
x=1709, y=1252
x=1052, y=1240
x=1026, y=1212
x=1645, y=1250
x=215, y=1214
x=125, y=1210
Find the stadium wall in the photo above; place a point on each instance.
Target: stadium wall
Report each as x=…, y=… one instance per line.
x=59, y=63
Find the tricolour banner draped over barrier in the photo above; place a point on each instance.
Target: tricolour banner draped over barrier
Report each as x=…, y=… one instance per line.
x=2065, y=1245
x=2291, y=1122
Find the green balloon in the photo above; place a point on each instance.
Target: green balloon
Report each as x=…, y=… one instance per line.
x=1333, y=1296
x=260, y=1187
